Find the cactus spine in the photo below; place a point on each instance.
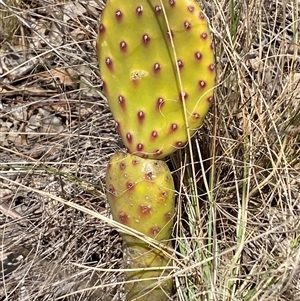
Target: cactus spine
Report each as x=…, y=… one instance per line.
x=154, y=108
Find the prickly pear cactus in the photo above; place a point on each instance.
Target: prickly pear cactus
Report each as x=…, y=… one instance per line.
x=141, y=196
x=139, y=71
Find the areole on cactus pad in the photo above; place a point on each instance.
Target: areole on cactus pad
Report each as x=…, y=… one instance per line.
x=139, y=69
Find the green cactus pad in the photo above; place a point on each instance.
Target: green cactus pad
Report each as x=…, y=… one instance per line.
x=140, y=76
x=141, y=193
x=141, y=196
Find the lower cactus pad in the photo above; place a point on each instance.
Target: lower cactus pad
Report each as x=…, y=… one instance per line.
x=141, y=194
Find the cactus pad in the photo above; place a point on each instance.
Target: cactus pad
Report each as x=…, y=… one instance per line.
x=140, y=77
x=140, y=193
x=141, y=196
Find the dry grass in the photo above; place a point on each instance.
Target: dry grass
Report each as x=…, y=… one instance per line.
x=237, y=234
